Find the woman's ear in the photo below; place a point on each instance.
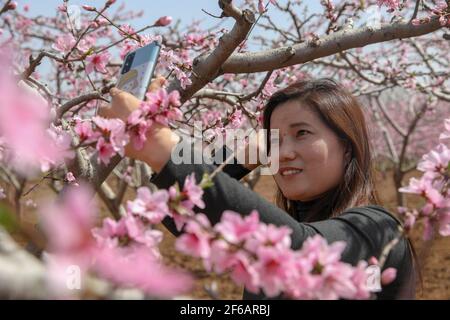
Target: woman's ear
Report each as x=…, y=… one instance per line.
x=348, y=152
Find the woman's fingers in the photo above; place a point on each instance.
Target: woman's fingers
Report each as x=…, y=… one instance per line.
x=157, y=83
x=123, y=103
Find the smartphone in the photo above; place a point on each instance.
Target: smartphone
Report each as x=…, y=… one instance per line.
x=137, y=70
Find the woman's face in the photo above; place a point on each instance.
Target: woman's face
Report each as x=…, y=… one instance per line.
x=311, y=154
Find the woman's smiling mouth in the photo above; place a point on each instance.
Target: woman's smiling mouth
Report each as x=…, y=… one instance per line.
x=290, y=171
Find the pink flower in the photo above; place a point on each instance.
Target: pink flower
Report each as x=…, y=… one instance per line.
x=196, y=240
x=270, y=235
x=138, y=269
x=70, y=178
x=111, y=233
x=84, y=131
x=174, y=98
x=436, y=160
x=86, y=43
x=193, y=193
x=244, y=273
x=359, y=279
x=30, y=144
x=133, y=263
x=317, y=249
x=424, y=187
x=274, y=267
x=97, y=62
x=128, y=233
x=68, y=223
x=409, y=217
x=163, y=21
x=327, y=277
x=2, y=193
x=185, y=80
x=162, y=106
x=441, y=5
x=267, y=262
x=62, y=140
x=126, y=29
x=127, y=46
x=88, y=8
x=139, y=127
x=261, y=6
x=162, y=100
x=114, y=129
x=235, y=228
x=220, y=258
x=64, y=43
x=62, y=8
x=444, y=222
x=105, y=151
x=388, y=275
x=236, y=119
x=151, y=206
x=12, y=5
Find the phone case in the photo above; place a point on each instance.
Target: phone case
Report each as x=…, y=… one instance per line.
x=137, y=79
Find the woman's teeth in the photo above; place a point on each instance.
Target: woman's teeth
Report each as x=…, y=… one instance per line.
x=290, y=172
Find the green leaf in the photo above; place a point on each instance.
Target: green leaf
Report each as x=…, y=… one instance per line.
x=206, y=181
x=7, y=219
x=180, y=209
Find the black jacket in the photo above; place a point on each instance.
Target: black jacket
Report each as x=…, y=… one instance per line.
x=366, y=230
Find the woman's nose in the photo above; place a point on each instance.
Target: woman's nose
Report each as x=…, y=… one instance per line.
x=287, y=153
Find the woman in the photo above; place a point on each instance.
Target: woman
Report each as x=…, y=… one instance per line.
x=325, y=181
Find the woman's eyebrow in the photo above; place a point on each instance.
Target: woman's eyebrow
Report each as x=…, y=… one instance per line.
x=298, y=124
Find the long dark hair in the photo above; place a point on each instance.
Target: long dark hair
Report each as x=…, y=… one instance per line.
x=343, y=114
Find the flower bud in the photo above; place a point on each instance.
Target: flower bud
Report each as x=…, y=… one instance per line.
x=88, y=8
x=163, y=21
x=12, y=5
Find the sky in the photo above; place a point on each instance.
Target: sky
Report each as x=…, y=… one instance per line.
x=153, y=8
x=186, y=10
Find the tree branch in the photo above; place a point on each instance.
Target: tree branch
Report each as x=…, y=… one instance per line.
x=207, y=67
x=326, y=46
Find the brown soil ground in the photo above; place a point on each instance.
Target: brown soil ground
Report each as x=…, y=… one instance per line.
x=434, y=256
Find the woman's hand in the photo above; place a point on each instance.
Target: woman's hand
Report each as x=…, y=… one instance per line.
x=255, y=145
x=160, y=139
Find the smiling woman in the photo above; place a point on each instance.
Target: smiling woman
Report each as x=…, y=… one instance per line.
x=325, y=178
x=323, y=133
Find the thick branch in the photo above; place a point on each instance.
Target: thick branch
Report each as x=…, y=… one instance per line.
x=326, y=46
x=206, y=67
x=74, y=102
x=22, y=276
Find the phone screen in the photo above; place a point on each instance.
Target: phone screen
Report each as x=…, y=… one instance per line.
x=137, y=70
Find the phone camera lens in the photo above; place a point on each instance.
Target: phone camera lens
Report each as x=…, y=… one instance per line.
x=128, y=63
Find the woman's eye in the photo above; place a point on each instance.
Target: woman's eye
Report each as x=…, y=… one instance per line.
x=301, y=133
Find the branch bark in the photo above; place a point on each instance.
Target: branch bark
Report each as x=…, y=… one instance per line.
x=207, y=67
x=346, y=39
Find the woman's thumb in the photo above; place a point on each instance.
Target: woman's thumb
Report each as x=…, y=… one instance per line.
x=114, y=91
